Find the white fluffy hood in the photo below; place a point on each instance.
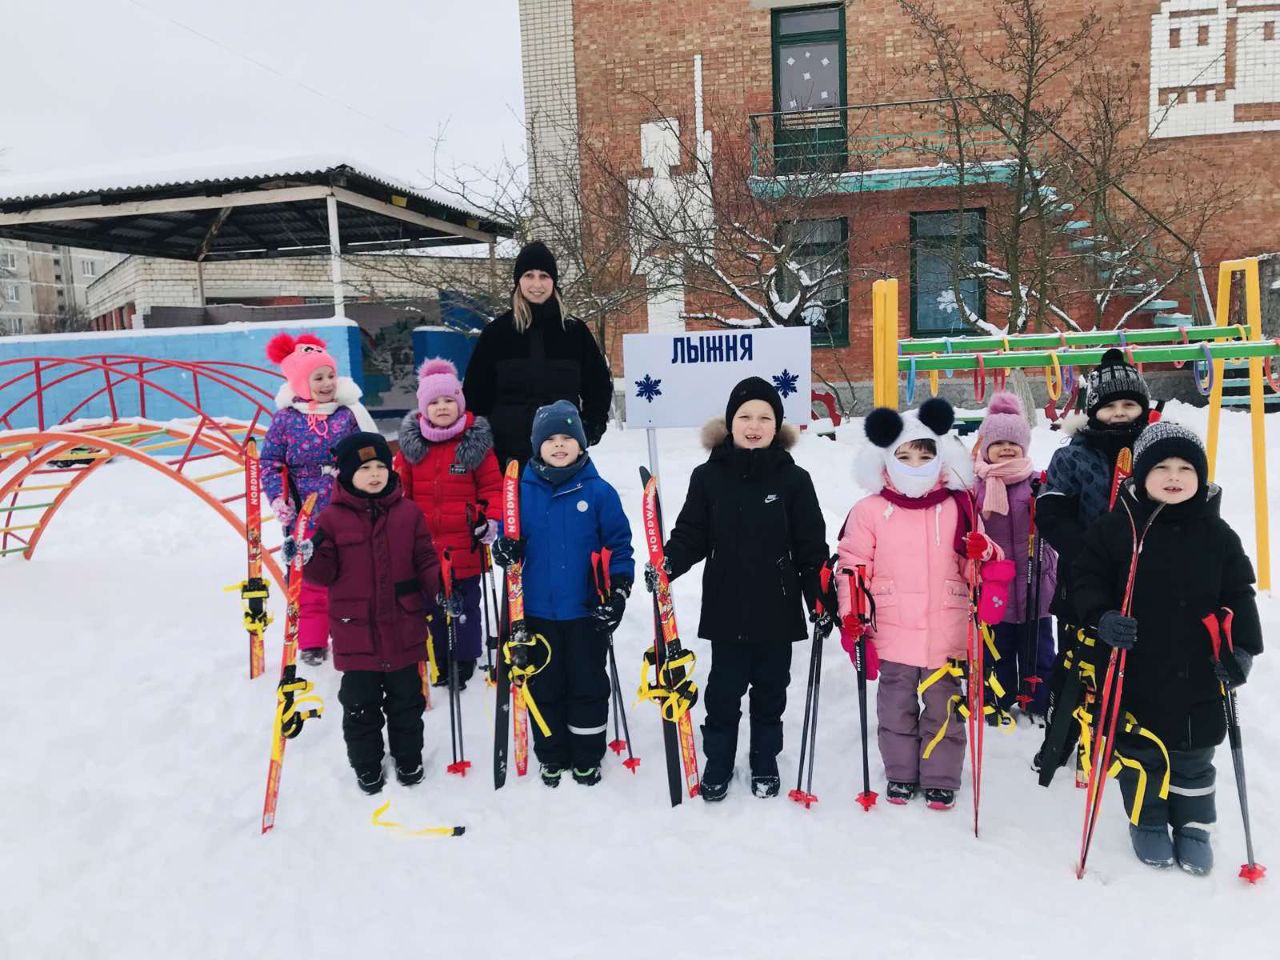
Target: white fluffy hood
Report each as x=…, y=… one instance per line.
x=887, y=430
x=348, y=394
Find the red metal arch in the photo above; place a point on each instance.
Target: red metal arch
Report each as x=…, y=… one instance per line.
x=40, y=448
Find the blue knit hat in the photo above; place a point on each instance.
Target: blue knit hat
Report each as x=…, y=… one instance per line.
x=559, y=417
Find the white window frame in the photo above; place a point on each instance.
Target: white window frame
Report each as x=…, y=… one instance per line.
x=8, y=260
x=11, y=293
x=88, y=268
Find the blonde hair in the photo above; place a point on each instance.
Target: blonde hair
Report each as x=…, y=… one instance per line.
x=522, y=309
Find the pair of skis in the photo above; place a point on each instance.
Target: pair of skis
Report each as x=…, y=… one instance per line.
x=665, y=679
x=295, y=700
x=515, y=662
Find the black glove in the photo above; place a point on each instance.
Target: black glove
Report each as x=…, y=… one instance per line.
x=1233, y=669
x=507, y=551
x=1118, y=631
x=594, y=432
x=450, y=605
x=291, y=548
x=651, y=574
x=609, y=613
x=824, y=621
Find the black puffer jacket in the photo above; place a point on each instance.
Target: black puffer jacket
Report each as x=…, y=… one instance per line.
x=512, y=374
x=1191, y=564
x=754, y=516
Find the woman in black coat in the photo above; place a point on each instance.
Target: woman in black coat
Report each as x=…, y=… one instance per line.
x=753, y=515
x=534, y=355
x=1190, y=565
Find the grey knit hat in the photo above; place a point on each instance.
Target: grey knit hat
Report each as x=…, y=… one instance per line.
x=1164, y=439
x=1115, y=379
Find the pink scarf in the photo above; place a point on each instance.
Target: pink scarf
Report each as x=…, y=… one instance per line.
x=997, y=477
x=436, y=434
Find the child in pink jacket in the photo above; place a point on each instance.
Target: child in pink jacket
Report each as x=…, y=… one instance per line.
x=910, y=534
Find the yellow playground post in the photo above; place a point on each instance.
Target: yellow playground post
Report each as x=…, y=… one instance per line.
x=884, y=342
x=1253, y=317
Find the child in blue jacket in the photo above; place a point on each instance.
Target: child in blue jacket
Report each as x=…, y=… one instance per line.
x=567, y=512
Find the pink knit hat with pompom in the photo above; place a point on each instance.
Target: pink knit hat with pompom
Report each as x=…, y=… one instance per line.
x=1004, y=421
x=299, y=358
x=438, y=377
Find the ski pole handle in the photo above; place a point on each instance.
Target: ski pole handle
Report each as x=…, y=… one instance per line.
x=446, y=571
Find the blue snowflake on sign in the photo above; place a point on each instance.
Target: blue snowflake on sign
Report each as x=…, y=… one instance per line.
x=786, y=382
x=648, y=388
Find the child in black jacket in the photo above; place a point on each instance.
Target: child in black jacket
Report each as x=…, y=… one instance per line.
x=1190, y=565
x=754, y=516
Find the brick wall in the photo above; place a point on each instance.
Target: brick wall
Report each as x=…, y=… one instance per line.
x=633, y=63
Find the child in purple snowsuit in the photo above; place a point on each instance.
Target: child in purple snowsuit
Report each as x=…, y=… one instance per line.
x=1004, y=473
x=315, y=409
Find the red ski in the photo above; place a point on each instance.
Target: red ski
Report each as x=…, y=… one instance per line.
x=293, y=691
x=253, y=589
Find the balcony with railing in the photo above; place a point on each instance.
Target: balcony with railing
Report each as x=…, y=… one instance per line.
x=876, y=146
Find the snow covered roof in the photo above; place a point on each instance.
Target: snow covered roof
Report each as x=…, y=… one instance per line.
x=213, y=208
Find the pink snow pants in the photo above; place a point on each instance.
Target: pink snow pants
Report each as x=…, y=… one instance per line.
x=313, y=621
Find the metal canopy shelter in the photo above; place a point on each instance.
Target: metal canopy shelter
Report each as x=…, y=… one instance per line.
x=281, y=210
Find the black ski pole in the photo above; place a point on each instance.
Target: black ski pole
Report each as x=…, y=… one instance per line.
x=621, y=729
x=813, y=725
x=799, y=795
x=460, y=762
x=1251, y=870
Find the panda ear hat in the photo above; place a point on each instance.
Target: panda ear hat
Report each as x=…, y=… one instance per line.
x=887, y=430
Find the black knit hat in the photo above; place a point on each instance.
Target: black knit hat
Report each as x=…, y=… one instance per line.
x=752, y=388
x=534, y=256
x=1165, y=439
x=354, y=451
x=1115, y=379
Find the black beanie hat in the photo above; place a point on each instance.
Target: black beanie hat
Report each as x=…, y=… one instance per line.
x=354, y=451
x=752, y=388
x=534, y=256
x=1165, y=439
x=1115, y=379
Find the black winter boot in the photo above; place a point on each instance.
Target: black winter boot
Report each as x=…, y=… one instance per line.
x=314, y=656
x=765, y=781
x=550, y=774
x=898, y=792
x=370, y=778
x=588, y=776
x=410, y=772
x=715, y=780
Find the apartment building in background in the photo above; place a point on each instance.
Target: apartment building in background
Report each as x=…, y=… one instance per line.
x=44, y=288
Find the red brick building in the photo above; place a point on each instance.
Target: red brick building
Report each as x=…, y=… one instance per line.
x=774, y=83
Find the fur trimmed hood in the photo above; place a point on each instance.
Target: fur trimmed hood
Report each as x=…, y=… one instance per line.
x=348, y=394
x=714, y=433
x=1072, y=423
x=473, y=443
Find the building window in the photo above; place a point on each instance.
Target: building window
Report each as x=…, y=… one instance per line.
x=11, y=293
x=944, y=246
x=809, y=88
x=1269, y=30
x=89, y=268
x=1175, y=38
x=1202, y=36
x=8, y=261
x=820, y=248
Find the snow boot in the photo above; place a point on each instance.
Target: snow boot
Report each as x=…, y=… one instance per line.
x=899, y=792
x=1152, y=845
x=939, y=798
x=1192, y=850
x=587, y=776
x=715, y=780
x=314, y=656
x=765, y=781
x=370, y=778
x=410, y=772
x=466, y=669
x=550, y=774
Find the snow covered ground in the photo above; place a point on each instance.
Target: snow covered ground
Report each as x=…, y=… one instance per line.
x=135, y=753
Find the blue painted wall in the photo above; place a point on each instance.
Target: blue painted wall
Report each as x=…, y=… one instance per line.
x=240, y=343
x=442, y=342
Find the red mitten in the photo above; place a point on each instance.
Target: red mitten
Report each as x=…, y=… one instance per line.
x=851, y=631
x=978, y=546
x=993, y=597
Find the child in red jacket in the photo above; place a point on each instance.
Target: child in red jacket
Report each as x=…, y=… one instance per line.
x=373, y=552
x=447, y=467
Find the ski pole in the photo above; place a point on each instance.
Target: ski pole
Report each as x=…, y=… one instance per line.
x=865, y=612
x=460, y=762
x=622, y=733
x=798, y=794
x=487, y=594
x=1251, y=870
x=1028, y=664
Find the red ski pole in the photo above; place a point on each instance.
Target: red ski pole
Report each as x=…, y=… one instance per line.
x=621, y=729
x=863, y=609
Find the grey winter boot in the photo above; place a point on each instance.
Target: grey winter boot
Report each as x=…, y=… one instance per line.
x=1152, y=845
x=1191, y=847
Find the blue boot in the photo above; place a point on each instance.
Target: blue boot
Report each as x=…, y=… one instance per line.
x=1152, y=845
x=1191, y=847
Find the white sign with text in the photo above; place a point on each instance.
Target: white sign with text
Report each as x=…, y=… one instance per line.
x=684, y=379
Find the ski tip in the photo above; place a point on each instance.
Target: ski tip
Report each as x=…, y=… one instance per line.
x=645, y=475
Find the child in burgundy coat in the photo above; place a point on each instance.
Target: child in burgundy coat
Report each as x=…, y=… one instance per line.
x=373, y=551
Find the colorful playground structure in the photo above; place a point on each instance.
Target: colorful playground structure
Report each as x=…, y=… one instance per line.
x=1063, y=356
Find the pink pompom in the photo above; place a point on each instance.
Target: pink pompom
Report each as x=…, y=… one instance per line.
x=280, y=346
x=436, y=365
x=1005, y=402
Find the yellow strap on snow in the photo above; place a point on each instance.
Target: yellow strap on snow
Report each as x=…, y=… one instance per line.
x=400, y=828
